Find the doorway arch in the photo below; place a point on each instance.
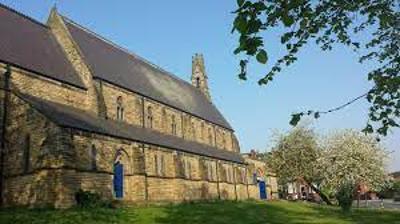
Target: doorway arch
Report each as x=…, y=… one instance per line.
x=118, y=174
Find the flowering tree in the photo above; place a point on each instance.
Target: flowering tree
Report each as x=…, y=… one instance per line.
x=337, y=163
x=295, y=157
x=350, y=156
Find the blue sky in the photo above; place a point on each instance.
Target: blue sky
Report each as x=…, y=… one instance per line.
x=168, y=33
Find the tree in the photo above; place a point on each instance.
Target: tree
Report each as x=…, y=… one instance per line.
x=370, y=27
x=350, y=156
x=295, y=158
x=350, y=159
x=337, y=164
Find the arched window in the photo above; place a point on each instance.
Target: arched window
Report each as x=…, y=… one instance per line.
x=209, y=171
x=156, y=164
x=162, y=166
x=202, y=131
x=120, y=108
x=149, y=117
x=164, y=119
x=138, y=105
x=26, y=154
x=243, y=176
x=188, y=169
x=173, y=125
x=159, y=165
x=193, y=131
x=93, y=158
x=223, y=140
x=198, y=82
x=118, y=177
x=210, y=140
x=226, y=174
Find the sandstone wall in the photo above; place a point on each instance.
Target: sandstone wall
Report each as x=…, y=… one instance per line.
x=42, y=188
x=33, y=142
x=254, y=191
x=73, y=54
x=155, y=173
x=31, y=84
x=62, y=161
x=165, y=119
x=34, y=157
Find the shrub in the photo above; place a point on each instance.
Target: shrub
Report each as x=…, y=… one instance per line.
x=344, y=196
x=87, y=199
x=396, y=187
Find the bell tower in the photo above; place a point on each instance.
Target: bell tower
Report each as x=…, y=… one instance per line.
x=199, y=76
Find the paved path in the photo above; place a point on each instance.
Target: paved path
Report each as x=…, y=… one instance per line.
x=387, y=203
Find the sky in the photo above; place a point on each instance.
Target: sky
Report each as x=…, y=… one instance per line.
x=169, y=33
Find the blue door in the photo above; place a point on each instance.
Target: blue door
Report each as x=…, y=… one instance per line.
x=118, y=180
x=263, y=193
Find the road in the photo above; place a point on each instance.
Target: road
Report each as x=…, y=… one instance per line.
x=387, y=203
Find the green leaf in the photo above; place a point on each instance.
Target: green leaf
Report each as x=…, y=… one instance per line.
x=240, y=2
x=262, y=81
x=286, y=37
x=242, y=76
x=237, y=50
x=240, y=23
x=295, y=119
x=368, y=129
x=262, y=56
x=243, y=64
x=287, y=20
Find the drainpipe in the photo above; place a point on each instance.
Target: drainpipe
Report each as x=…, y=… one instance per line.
x=6, y=90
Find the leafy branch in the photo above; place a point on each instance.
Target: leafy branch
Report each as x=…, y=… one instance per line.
x=296, y=117
x=328, y=24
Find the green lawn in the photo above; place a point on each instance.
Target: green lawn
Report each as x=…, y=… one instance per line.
x=216, y=212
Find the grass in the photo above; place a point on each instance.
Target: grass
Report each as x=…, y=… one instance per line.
x=212, y=212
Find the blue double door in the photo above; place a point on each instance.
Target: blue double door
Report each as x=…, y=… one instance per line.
x=118, y=180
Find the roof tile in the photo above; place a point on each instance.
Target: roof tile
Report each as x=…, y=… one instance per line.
x=30, y=45
x=118, y=66
x=71, y=117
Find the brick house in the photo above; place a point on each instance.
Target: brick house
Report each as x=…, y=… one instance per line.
x=80, y=112
x=395, y=175
x=261, y=176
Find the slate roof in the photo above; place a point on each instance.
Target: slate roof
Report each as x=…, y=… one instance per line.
x=116, y=65
x=30, y=45
x=66, y=116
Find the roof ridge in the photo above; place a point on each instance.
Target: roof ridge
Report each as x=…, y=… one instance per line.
x=23, y=15
x=127, y=51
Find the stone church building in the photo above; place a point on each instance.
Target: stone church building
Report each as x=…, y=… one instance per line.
x=80, y=112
